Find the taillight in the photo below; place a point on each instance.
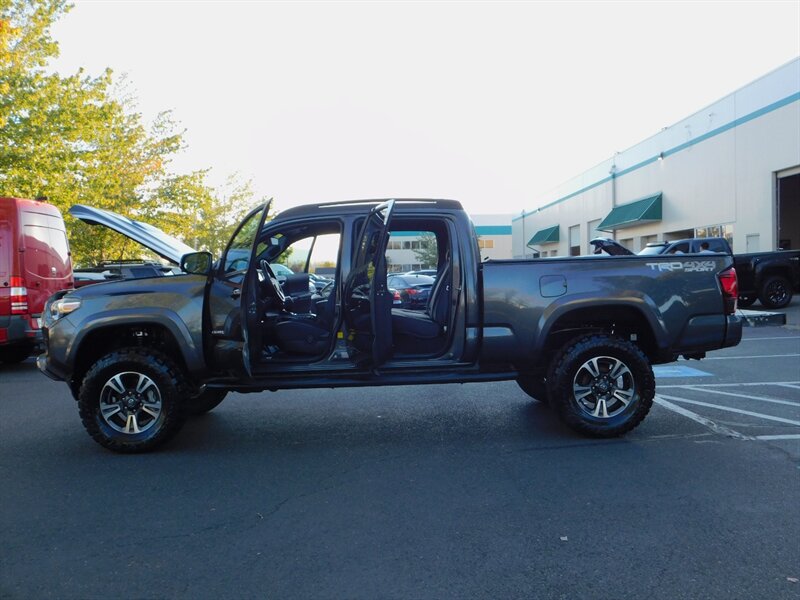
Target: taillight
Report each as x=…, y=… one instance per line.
x=397, y=295
x=19, y=296
x=730, y=289
x=412, y=291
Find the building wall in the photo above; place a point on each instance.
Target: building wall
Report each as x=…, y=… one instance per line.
x=715, y=167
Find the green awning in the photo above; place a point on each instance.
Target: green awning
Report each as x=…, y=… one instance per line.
x=545, y=236
x=646, y=210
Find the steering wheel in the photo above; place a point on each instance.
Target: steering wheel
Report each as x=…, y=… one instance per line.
x=272, y=282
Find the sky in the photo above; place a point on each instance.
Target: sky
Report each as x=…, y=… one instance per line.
x=492, y=104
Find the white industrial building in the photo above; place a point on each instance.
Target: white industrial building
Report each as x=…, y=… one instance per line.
x=494, y=240
x=731, y=169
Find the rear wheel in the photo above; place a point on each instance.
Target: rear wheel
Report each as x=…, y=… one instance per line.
x=601, y=385
x=776, y=292
x=131, y=400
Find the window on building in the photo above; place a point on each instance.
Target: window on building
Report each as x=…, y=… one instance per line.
x=722, y=231
x=485, y=243
x=649, y=239
x=628, y=243
x=575, y=240
x=591, y=229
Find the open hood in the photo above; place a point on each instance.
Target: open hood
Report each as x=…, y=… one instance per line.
x=609, y=246
x=148, y=236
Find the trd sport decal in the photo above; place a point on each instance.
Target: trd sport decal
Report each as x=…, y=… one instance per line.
x=691, y=266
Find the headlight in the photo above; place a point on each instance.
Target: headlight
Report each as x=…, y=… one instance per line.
x=63, y=307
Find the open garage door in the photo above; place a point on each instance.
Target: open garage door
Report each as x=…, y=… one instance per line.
x=788, y=205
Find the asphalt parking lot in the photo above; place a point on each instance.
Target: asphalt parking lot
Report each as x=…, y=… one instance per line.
x=450, y=491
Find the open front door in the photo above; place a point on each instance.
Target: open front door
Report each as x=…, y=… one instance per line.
x=230, y=286
x=367, y=302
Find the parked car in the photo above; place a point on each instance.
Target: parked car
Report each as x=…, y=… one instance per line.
x=413, y=290
x=319, y=281
x=427, y=272
x=142, y=355
x=35, y=262
x=770, y=277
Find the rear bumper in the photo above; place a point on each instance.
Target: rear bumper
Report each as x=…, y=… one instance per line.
x=20, y=330
x=733, y=331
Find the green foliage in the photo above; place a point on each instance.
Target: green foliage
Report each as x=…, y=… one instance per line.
x=77, y=140
x=428, y=252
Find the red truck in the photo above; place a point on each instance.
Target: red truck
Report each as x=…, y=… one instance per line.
x=35, y=263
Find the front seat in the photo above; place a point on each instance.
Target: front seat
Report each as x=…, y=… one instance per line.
x=432, y=322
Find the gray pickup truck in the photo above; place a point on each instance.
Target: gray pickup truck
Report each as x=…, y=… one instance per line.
x=581, y=334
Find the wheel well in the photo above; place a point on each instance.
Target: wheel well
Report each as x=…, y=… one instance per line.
x=100, y=342
x=771, y=271
x=625, y=322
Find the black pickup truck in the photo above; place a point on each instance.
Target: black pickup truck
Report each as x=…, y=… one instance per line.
x=581, y=334
x=770, y=277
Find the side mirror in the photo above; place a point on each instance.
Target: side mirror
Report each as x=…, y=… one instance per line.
x=197, y=263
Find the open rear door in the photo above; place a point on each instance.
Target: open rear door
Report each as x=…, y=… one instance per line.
x=368, y=304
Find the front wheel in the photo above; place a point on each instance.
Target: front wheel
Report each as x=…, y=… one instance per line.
x=601, y=385
x=776, y=292
x=130, y=400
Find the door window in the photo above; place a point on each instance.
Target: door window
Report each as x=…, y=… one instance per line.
x=236, y=259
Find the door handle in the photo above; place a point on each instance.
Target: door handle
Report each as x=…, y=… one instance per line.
x=236, y=293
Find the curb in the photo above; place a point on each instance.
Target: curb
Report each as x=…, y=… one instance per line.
x=756, y=318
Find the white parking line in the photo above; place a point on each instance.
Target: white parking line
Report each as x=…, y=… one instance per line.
x=715, y=427
x=734, y=410
x=788, y=436
x=780, y=337
x=789, y=384
x=756, y=356
x=759, y=398
x=794, y=386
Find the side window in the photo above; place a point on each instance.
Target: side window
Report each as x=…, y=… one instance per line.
x=412, y=251
x=237, y=255
x=320, y=252
x=717, y=246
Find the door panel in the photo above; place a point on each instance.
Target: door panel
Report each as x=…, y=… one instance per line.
x=368, y=304
x=225, y=340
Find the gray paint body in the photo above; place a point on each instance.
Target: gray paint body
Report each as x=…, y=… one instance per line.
x=506, y=311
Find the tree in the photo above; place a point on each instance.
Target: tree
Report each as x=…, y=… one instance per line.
x=204, y=217
x=78, y=139
x=428, y=252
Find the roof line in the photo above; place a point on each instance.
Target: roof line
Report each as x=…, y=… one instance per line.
x=701, y=138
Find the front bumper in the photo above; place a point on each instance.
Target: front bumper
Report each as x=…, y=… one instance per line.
x=58, y=337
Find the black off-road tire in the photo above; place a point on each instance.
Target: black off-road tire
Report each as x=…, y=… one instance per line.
x=776, y=292
x=205, y=402
x=746, y=301
x=569, y=373
x=535, y=386
x=163, y=375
